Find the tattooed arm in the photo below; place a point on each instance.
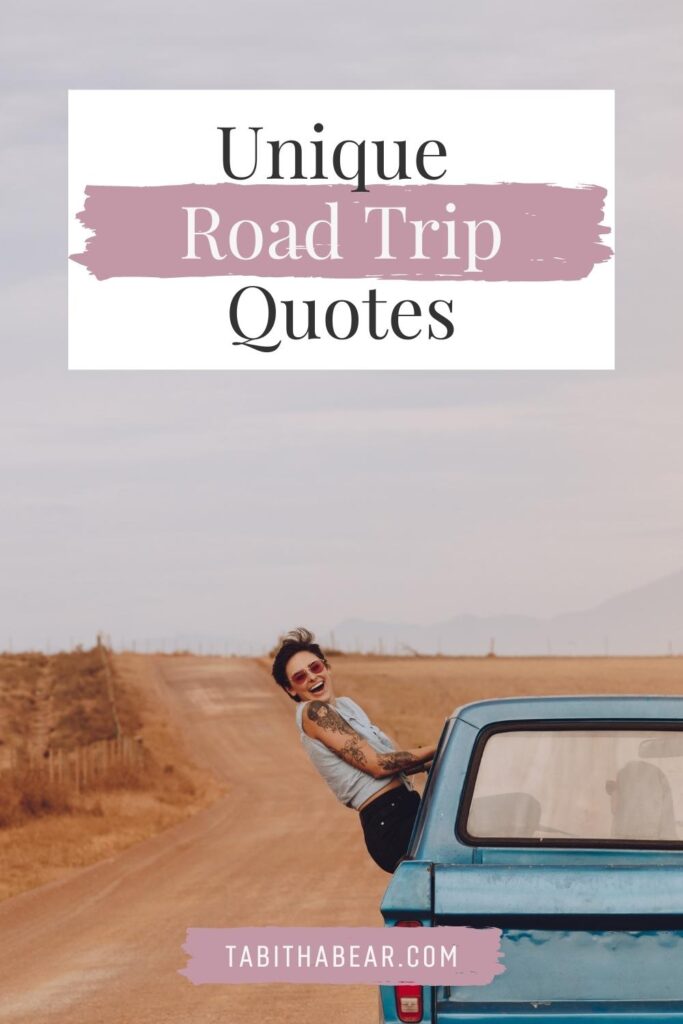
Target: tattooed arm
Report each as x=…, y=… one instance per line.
x=322, y=722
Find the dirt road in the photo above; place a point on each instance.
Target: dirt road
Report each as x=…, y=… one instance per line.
x=104, y=946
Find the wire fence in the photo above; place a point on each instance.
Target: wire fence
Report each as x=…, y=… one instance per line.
x=86, y=767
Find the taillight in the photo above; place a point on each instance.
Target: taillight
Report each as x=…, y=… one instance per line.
x=409, y=997
x=409, y=1003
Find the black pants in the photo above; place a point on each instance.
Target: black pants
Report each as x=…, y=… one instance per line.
x=387, y=823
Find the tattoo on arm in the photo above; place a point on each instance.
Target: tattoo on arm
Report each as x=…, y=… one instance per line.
x=331, y=721
x=397, y=760
x=352, y=754
x=327, y=718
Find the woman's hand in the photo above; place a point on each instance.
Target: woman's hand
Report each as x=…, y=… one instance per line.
x=322, y=722
x=418, y=769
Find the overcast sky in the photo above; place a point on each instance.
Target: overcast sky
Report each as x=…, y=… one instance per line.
x=157, y=504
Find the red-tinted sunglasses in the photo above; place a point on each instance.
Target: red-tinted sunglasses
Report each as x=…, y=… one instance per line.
x=315, y=668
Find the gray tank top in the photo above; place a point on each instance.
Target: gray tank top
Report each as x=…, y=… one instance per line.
x=350, y=785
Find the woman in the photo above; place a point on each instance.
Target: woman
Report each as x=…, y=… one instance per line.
x=360, y=763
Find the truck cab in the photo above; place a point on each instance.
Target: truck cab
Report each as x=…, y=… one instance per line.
x=558, y=820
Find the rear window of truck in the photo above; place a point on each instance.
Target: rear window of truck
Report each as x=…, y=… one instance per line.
x=568, y=785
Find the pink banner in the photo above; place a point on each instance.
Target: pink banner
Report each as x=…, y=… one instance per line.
x=343, y=956
x=502, y=232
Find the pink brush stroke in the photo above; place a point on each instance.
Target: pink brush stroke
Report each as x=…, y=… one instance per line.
x=478, y=950
x=549, y=233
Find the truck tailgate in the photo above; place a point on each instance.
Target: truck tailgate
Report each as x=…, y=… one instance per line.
x=577, y=941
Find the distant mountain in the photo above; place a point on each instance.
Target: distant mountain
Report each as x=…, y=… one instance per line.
x=648, y=620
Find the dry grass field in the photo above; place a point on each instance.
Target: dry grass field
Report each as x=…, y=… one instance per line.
x=410, y=697
x=60, y=702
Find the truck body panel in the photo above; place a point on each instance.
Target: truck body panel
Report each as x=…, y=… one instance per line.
x=592, y=921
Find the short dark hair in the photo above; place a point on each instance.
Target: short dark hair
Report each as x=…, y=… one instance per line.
x=291, y=643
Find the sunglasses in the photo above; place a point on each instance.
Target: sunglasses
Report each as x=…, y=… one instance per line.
x=315, y=668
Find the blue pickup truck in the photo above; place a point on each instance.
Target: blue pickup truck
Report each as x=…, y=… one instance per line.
x=560, y=821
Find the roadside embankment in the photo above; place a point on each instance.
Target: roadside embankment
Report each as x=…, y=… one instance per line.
x=90, y=763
